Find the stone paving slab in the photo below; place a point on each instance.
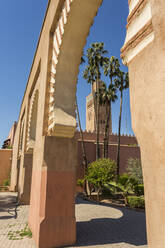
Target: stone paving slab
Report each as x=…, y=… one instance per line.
x=10, y=223
x=97, y=226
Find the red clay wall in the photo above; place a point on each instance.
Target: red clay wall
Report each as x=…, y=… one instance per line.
x=5, y=164
x=91, y=136
x=125, y=153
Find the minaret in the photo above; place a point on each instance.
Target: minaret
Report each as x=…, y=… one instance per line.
x=90, y=113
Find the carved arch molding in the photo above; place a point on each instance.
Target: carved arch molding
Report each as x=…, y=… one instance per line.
x=32, y=123
x=67, y=40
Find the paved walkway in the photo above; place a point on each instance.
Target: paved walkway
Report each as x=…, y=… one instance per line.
x=97, y=225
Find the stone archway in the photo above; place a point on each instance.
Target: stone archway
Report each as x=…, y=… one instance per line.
x=57, y=174
x=63, y=35
x=32, y=125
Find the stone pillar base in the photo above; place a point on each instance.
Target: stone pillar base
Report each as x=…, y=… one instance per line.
x=57, y=232
x=15, y=176
x=52, y=208
x=24, y=189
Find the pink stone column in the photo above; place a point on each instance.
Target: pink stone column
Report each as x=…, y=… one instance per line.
x=24, y=187
x=144, y=53
x=52, y=210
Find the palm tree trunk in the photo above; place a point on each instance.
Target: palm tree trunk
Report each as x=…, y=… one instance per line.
x=94, y=104
x=85, y=162
x=106, y=130
x=118, y=147
x=97, y=120
x=109, y=124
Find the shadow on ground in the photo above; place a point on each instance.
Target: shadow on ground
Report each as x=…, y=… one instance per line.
x=8, y=206
x=130, y=228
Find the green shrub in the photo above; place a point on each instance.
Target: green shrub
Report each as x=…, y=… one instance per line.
x=136, y=201
x=139, y=189
x=6, y=182
x=133, y=182
x=123, y=179
x=134, y=169
x=128, y=181
x=107, y=191
x=125, y=187
x=80, y=182
x=100, y=173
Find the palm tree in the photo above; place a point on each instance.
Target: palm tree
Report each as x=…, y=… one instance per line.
x=106, y=97
x=92, y=73
x=122, y=83
x=111, y=67
x=85, y=161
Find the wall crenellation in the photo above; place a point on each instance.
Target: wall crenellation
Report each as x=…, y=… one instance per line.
x=91, y=136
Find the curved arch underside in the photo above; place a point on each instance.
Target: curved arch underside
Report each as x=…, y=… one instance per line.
x=32, y=121
x=79, y=20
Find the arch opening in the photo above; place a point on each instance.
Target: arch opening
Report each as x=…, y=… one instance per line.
x=32, y=122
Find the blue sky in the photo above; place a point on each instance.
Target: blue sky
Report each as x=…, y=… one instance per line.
x=20, y=24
